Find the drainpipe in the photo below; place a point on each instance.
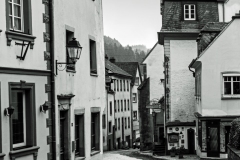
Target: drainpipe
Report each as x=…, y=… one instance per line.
x=189, y=67
x=53, y=116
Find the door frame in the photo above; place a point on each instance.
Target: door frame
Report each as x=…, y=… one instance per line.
x=214, y=124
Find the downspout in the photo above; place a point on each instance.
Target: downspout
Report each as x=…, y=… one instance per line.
x=131, y=107
x=190, y=65
x=53, y=116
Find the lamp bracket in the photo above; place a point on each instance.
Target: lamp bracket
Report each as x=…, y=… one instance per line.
x=59, y=64
x=23, y=44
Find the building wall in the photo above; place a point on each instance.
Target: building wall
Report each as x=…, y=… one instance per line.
x=182, y=84
x=16, y=70
x=123, y=95
x=231, y=7
x=155, y=70
x=135, y=107
x=89, y=90
x=215, y=61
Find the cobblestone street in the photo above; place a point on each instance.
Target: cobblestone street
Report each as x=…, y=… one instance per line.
x=133, y=154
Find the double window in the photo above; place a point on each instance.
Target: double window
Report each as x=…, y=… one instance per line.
x=110, y=127
x=125, y=105
x=118, y=123
x=128, y=122
x=121, y=105
x=128, y=105
x=115, y=108
x=19, y=16
x=110, y=108
x=103, y=121
x=189, y=12
x=231, y=85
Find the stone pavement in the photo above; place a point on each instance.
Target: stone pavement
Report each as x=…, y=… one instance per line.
x=187, y=157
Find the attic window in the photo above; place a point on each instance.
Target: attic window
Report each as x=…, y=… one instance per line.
x=189, y=12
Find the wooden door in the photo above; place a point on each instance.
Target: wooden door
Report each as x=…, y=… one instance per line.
x=213, y=139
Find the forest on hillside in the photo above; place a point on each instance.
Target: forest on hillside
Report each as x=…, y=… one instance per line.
x=113, y=48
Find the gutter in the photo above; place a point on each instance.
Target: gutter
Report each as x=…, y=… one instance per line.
x=190, y=65
x=53, y=115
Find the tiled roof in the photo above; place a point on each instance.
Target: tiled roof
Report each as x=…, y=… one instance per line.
x=129, y=67
x=208, y=33
x=115, y=69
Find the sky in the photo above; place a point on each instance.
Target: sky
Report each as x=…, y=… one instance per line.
x=132, y=22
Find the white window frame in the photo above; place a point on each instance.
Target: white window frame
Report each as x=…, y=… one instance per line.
x=189, y=12
x=24, y=121
x=12, y=16
x=230, y=95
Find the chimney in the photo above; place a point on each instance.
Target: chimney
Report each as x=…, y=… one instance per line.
x=112, y=59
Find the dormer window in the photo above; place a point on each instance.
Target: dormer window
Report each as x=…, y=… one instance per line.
x=189, y=12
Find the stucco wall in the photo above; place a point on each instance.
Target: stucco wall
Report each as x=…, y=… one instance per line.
x=154, y=63
x=86, y=18
x=182, y=83
x=221, y=56
x=123, y=95
x=40, y=97
x=231, y=8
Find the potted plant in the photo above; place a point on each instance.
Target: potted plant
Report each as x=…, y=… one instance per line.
x=173, y=151
x=181, y=151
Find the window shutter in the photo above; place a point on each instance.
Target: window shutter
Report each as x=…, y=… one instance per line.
x=27, y=17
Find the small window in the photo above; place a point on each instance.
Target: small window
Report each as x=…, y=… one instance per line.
x=120, y=85
x=231, y=85
x=93, y=57
x=127, y=86
x=134, y=97
x=125, y=123
x=134, y=115
x=136, y=81
x=189, y=12
x=124, y=87
x=71, y=66
x=117, y=86
x=115, y=108
x=128, y=105
x=128, y=122
x=125, y=105
x=109, y=127
x=118, y=123
x=114, y=85
x=121, y=105
x=118, y=106
x=110, y=108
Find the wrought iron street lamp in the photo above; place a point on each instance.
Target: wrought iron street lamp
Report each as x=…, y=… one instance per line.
x=74, y=50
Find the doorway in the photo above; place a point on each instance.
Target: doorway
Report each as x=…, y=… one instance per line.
x=191, y=140
x=213, y=138
x=119, y=143
x=161, y=136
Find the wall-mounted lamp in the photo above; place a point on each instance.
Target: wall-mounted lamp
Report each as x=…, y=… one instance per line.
x=44, y=107
x=74, y=50
x=9, y=111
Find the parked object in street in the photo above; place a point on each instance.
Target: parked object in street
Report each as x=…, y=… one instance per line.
x=136, y=143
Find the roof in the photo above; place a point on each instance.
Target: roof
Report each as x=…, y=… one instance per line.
x=178, y=123
x=149, y=53
x=208, y=33
x=131, y=68
x=115, y=69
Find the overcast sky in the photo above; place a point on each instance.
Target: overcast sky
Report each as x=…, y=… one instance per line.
x=132, y=21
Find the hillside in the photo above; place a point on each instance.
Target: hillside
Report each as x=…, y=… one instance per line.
x=113, y=48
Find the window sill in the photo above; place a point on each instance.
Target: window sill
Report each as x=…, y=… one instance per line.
x=24, y=152
x=79, y=158
x=19, y=36
x=94, y=74
x=228, y=98
x=134, y=119
x=2, y=156
x=134, y=101
x=94, y=153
